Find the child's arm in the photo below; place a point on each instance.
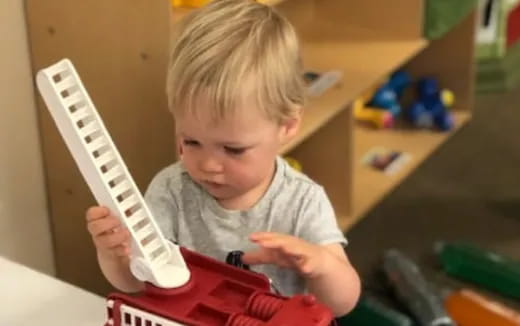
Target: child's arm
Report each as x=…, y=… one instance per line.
x=326, y=268
x=112, y=246
x=339, y=286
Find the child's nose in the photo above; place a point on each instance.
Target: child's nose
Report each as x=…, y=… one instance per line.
x=211, y=165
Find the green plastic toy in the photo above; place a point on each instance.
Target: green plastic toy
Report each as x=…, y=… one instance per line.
x=482, y=267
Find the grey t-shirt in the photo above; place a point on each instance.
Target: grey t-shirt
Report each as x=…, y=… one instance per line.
x=293, y=204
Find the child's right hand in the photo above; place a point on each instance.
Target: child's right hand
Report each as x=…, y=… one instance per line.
x=110, y=237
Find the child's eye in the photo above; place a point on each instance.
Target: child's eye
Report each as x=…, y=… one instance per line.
x=189, y=142
x=234, y=150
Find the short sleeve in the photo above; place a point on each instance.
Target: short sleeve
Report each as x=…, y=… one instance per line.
x=163, y=206
x=317, y=222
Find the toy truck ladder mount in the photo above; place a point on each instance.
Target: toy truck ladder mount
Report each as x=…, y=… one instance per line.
x=153, y=258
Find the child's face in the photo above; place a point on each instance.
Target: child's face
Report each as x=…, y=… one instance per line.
x=234, y=156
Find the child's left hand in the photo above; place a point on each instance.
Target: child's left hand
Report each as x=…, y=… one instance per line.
x=286, y=251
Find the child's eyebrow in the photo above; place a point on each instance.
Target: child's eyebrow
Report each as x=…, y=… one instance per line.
x=234, y=144
x=183, y=135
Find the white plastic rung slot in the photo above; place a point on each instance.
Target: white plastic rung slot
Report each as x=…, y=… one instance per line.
x=120, y=188
x=134, y=219
x=161, y=257
x=101, y=165
x=112, y=174
x=105, y=158
x=152, y=247
x=144, y=232
x=96, y=144
x=80, y=114
x=88, y=129
x=129, y=202
x=73, y=99
x=64, y=84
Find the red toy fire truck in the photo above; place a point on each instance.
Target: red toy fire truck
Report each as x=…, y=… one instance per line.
x=182, y=286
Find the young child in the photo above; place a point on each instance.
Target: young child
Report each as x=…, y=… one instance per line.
x=235, y=89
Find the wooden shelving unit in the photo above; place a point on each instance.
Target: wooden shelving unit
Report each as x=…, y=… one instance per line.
x=367, y=45
x=122, y=59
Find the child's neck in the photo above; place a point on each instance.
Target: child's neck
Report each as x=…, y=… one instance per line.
x=249, y=199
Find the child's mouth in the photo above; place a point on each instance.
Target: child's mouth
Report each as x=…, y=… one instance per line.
x=214, y=185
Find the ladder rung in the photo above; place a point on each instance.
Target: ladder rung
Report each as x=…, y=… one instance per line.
x=89, y=129
x=162, y=257
x=104, y=158
x=129, y=203
x=80, y=114
x=113, y=173
x=72, y=99
x=65, y=83
x=136, y=218
x=96, y=144
x=120, y=188
x=145, y=231
x=153, y=246
x=61, y=69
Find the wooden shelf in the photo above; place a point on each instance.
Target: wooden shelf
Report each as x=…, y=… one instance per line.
x=371, y=185
x=363, y=64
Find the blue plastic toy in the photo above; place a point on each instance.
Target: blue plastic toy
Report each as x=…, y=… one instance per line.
x=431, y=110
x=388, y=95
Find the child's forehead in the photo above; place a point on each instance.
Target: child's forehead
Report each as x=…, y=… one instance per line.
x=207, y=110
x=232, y=128
x=238, y=120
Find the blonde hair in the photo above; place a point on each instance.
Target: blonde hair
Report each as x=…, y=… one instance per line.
x=222, y=47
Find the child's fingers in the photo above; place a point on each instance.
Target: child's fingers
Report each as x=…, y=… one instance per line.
x=259, y=236
x=111, y=240
x=256, y=257
x=97, y=212
x=122, y=250
x=100, y=226
x=286, y=245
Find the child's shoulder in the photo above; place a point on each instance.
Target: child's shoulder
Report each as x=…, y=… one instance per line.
x=296, y=180
x=170, y=177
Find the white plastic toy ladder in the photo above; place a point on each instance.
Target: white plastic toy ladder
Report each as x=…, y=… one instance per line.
x=153, y=258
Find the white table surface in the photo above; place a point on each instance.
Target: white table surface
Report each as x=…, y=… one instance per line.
x=31, y=298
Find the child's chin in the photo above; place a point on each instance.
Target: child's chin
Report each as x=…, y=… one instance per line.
x=219, y=192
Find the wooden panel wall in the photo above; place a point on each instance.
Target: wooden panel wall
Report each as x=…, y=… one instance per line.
x=120, y=49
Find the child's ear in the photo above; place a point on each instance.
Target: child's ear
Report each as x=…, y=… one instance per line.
x=291, y=126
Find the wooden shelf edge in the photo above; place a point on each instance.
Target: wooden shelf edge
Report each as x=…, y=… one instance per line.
x=381, y=185
x=346, y=57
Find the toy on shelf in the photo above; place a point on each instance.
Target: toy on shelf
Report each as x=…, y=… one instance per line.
x=410, y=286
x=182, y=287
x=373, y=116
x=482, y=267
x=499, y=28
x=467, y=307
x=189, y=3
x=382, y=106
x=318, y=83
x=388, y=95
x=387, y=161
x=294, y=163
x=431, y=109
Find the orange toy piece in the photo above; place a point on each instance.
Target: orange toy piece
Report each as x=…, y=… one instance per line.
x=189, y=3
x=467, y=308
x=377, y=117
